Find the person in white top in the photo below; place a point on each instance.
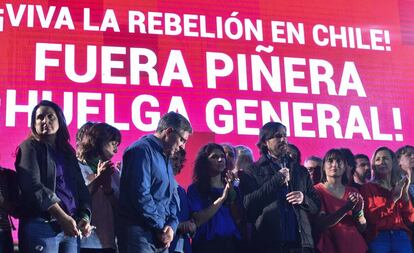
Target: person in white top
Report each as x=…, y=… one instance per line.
x=96, y=148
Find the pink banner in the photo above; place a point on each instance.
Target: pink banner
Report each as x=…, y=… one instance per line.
x=337, y=74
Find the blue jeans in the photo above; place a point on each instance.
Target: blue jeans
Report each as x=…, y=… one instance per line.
x=39, y=235
x=391, y=241
x=134, y=239
x=6, y=241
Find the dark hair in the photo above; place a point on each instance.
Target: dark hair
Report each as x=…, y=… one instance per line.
x=231, y=155
x=349, y=158
x=350, y=162
x=403, y=150
x=174, y=120
x=201, y=176
x=82, y=130
x=338, y=155
x=62, y=134
x=395, y=170
x=267, y=132
x=298, y=153
x=95, y=139
x=361, y=156
x=178, y=161
x=230, y=147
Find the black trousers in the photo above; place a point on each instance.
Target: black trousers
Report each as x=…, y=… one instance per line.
x=218, y=245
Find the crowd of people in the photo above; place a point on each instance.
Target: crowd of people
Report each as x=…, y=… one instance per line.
x=78, y=200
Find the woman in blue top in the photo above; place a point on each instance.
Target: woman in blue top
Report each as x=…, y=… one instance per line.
x=214, y=203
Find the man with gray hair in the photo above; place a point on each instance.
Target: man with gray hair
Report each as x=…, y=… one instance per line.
x=314, y=166
x=148, y=200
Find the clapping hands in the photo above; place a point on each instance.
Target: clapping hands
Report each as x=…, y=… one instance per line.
x=356, y=201
x=400, y=188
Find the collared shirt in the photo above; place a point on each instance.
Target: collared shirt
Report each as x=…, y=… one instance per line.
x=148, y=192
x=288, y=229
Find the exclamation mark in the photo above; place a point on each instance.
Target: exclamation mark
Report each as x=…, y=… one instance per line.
x=1, y=19
x=387, y=40
x=397, y=123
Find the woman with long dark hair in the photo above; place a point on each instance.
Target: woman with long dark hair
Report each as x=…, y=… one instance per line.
x=214, y=203
x=341, y=217
x=388, y=208
x=56, y=200
x=95, y=150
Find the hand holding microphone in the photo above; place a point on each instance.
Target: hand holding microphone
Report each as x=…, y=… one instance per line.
x=285, y=170
x=286, y=173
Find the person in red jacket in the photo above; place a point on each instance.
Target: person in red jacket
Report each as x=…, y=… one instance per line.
x=341, y=217
x=387, y=206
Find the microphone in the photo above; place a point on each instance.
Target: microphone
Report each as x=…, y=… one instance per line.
x=284, y=162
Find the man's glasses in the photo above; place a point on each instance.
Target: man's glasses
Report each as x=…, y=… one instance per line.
x=182, y=139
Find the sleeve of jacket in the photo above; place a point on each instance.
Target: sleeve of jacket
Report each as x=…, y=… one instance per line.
x=255, y=196
x=311, y=201
x=28, y=173
x=84, y=198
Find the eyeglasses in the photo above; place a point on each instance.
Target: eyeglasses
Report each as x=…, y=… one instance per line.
x=182, y=139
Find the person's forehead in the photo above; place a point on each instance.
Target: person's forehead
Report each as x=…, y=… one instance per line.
x=311, y=162
x=280, y=129
x=383, y=153
x=362, y=160
x=408, y=151
x=185, y=134
x=216, y=152
x=44, y=109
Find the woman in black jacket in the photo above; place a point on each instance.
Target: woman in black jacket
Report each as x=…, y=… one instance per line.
x=56, y=200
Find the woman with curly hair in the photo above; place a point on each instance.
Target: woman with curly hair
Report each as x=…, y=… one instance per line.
x=214, y=203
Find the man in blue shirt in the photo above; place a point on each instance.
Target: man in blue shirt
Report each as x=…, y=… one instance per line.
x=148, y=200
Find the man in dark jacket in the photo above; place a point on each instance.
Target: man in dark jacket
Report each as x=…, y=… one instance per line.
x=278, y=196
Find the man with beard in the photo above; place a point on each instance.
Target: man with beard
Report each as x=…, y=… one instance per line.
x=148, y=200
x=278, y=196
x=362, y=172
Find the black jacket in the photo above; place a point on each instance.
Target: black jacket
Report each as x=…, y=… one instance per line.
x=260, y=185
x=36, y=172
